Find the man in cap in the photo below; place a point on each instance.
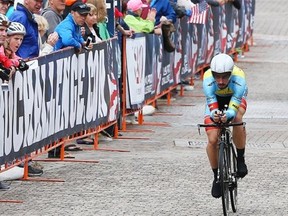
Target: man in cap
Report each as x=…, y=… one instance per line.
x=69, y=30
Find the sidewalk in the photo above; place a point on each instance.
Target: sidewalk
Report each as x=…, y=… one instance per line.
x=166, y=171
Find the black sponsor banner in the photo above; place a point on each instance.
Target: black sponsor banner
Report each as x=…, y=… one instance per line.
x=246, y=22
x=151, y=73
x=62, y=93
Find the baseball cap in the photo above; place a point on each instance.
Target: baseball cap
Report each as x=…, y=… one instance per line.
x=135, y=5
x=80, y=7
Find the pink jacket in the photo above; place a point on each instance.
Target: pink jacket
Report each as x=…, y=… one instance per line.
x=8, y=62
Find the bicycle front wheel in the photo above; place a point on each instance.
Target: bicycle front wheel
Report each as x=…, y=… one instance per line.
x=223, y=178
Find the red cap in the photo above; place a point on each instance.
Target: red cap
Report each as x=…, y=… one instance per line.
x=117, y=13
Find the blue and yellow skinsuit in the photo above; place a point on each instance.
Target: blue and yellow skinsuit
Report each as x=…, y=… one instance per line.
x=234, y=95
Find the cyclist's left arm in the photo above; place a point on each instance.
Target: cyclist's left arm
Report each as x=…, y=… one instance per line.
x=238, y=84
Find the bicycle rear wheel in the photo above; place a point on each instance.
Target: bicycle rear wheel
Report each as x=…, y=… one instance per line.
x=233, y=184
x=223, y=178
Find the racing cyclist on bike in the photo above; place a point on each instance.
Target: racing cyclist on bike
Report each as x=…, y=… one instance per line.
x=224, y=84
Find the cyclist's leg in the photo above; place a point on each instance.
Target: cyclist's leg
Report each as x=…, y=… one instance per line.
x=239, y=139
x=212, y=153
x=239, y=133
x=212, y=146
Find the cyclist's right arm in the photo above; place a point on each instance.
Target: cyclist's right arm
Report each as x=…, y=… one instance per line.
x=209, y=88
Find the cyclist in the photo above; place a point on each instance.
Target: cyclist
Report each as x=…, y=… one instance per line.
x=224, y=85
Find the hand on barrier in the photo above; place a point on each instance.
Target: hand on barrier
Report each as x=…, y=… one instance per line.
x=22, y=65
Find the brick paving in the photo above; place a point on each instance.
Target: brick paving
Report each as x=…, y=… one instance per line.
x=161, y=175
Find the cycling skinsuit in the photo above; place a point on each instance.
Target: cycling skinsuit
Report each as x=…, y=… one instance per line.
x=234, y=95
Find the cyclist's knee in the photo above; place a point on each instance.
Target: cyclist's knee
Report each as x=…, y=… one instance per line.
x=239, y=115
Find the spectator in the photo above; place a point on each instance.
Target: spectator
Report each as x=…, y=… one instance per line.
x=133, y=19
x=5, y=70
x=47, y=46
x=164, y=11
x=120, y=25
x=68, y=5
x=53, y=14
x=69, y=29
x=10, y=9
x=91, y=28
x=24, y=15
x=15, y=34
x=4, y=23
x=4, y=5
x=101, y=18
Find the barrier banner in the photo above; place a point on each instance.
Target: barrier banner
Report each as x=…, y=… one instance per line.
x=167, y=76
x=246, y=21
x=152, y=66
x=178, y=51
x=136, y=57
x=66, y=93
x=232, y=27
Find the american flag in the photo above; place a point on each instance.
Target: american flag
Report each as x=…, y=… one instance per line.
x=199, y=13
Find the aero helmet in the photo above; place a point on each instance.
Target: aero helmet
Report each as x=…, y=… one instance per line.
x=222, y=63
x=16, y=28
x=4, y=21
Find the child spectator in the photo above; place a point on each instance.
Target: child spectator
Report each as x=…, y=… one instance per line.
x=15, y=33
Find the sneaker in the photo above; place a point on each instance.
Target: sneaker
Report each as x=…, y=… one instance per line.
x=146, y=110
x=131, y=119
x=164, y=98
x=4, y=187
x=33, y=171
x=216, y=189
x=37, y=165
x=186, y=87
x=102, y=137
x=242, y=170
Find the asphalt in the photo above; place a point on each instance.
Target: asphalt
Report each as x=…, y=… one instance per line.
x=165, y=170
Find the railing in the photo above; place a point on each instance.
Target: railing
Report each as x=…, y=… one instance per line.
x=65, y=95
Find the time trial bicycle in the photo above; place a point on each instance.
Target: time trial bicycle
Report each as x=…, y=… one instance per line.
x=227, y=164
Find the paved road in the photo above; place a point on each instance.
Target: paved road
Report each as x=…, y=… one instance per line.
x=161, y=175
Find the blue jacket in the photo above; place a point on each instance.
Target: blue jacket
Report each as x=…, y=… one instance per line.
x=69, y=34
x=163, y=8
x=29, y=47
